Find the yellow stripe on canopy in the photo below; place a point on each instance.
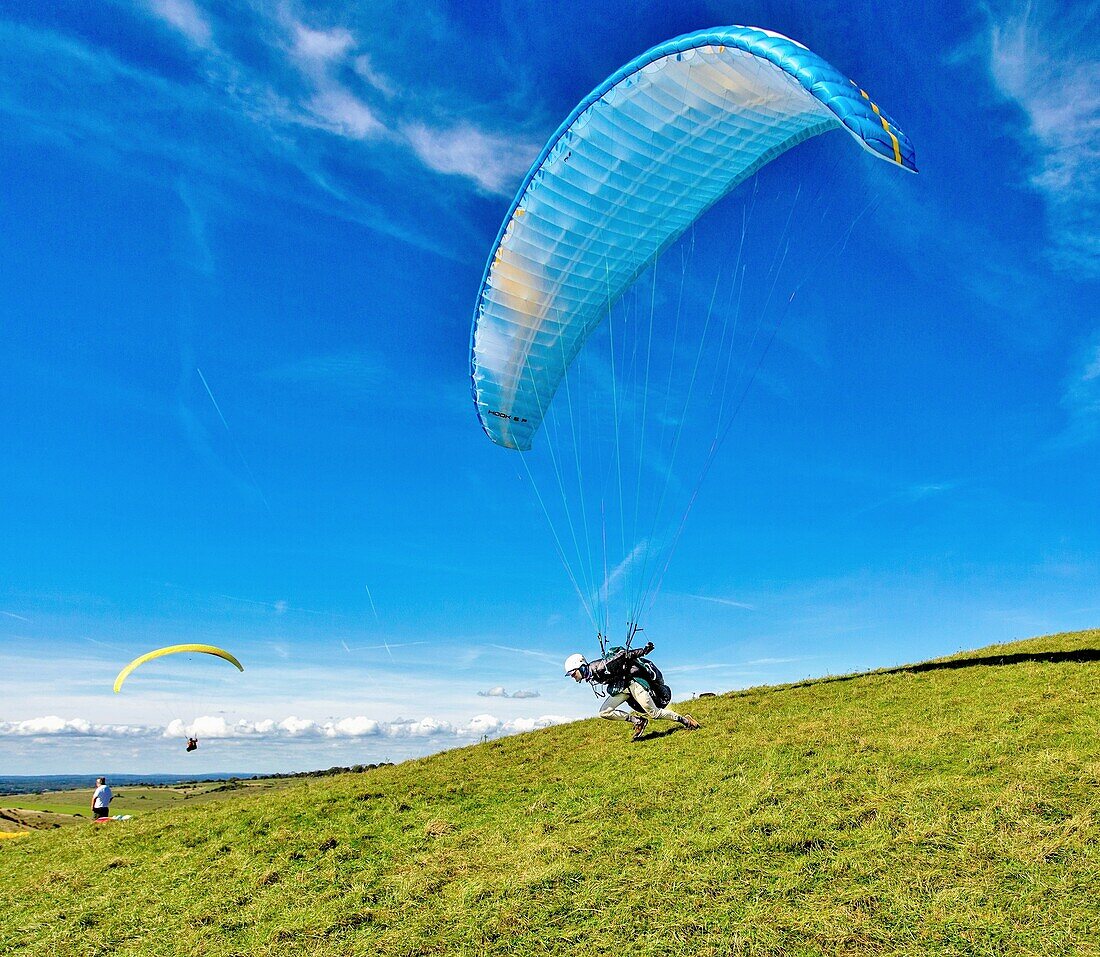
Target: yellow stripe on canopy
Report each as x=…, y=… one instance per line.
x=174, y=650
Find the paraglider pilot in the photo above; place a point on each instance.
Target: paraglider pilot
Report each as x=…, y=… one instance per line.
x=631, y=679
x=192, y=743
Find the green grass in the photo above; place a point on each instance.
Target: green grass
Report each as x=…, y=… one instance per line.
x=945, y=811
x=24, y=803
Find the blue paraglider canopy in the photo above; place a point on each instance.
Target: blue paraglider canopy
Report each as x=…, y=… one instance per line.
x=628, y=173
x=636, y=162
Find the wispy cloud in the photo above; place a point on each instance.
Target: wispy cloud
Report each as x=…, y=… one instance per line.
x=318, y=48
x=321, y=56
x=1046, y=62
x=909, y=494
x=1081, y=398
x=492, y=161
x=340, y=112
x=364, y=67
x=355, y=375
x=186, y=17
x=303, y=110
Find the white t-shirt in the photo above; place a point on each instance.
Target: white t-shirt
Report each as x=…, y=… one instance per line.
x=102, y=796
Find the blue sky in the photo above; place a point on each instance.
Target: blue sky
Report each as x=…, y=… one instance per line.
x=241, y=250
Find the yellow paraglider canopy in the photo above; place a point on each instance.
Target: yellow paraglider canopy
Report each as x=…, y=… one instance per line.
x=174, y=650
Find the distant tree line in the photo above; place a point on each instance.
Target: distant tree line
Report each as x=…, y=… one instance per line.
x=238, y=778
x=328, y=772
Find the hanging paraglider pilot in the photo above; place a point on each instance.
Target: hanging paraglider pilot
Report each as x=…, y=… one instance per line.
x=192, y=743
x=631, y=679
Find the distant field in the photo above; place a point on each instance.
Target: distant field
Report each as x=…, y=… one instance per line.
x=76, y=805
x=54, y=804
x=947, y=808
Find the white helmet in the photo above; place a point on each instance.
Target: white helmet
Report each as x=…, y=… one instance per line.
x=573, y=662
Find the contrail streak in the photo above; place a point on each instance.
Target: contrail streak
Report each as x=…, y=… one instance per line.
x=524, y=651
x=371, y=597
x=403, y=644
x=725, y=601
x=376, y=621
x=236, y=448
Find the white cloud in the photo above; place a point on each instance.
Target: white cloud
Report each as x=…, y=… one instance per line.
x=494, y=162
x=491, y=161
x=1045, y=62
x=249, y=119
x=292, y=727
x=340, y=112
x=357, y=727
x=909, y=494
x=499, y=692
x=1092, y=369
x=185, y=17
x=365, y=68
x=53, y=726
x=320, y=46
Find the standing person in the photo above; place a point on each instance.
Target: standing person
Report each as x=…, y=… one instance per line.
x=629, y=679
x=101, y=799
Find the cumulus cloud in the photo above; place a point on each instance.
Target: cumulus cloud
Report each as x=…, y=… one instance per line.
x=1045, y=62
x=499, y=692
x=53, y=726
x=289, y=728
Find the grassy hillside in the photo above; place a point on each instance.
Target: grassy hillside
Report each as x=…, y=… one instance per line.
x=943, y=809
